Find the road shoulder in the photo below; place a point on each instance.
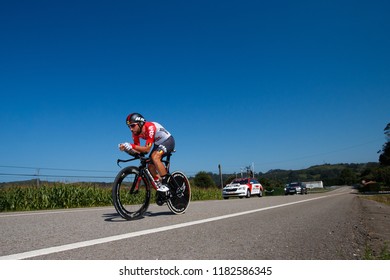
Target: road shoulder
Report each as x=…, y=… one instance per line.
x=376, y=221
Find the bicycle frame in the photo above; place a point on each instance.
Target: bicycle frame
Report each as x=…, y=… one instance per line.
x=144, y=170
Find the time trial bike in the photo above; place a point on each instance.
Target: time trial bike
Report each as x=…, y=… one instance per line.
x=131, y=193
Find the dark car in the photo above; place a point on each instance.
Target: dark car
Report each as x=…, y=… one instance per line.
x=294, y=188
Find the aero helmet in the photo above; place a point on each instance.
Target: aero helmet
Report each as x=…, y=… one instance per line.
x=135, y=118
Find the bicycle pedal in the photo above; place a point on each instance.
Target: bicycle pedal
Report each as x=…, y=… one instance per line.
x=161, y=199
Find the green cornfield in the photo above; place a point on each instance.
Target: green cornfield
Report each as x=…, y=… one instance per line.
x=60, y=195
x=53, y=197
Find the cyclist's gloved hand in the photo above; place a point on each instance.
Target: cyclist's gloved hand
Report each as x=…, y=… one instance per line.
x=125, y=146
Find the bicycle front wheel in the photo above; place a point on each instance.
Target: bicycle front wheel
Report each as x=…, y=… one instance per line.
x=180, y=192
x=130, y=193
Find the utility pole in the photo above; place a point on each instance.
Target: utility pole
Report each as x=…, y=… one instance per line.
x=38, y=177
x=220, y=175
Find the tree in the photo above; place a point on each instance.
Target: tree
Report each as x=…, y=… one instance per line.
x=384, y=158
x=347, y=177
x=382, y=174
x=204, y=180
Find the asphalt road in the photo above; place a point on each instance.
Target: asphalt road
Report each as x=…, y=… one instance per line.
x=304, y=227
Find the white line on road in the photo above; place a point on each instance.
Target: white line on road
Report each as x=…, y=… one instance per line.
x=98, y=241
x=50, y=212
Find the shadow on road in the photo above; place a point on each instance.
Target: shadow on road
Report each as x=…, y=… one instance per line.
x=115, y=217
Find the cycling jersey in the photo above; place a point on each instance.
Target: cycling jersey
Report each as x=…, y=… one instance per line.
x=153, y=133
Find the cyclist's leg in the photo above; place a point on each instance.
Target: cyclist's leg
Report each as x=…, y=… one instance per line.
x=156, y=158
x=159, y=151
x=153, y=171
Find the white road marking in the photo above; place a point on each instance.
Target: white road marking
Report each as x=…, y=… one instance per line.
x=98, y=241
x=50, y=212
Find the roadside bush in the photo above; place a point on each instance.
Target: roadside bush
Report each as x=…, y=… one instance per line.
x=268, y=191
x=204, y=180
x=374, y=187
x=379, y=178
x=205, y=194
x=382, y=174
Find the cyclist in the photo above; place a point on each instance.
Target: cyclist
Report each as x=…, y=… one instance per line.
x=153, y=133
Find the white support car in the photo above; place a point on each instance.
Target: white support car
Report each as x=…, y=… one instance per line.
x=242, y=187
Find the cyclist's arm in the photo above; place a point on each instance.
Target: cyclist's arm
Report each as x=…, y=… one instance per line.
x=151, y=130
x=143, y=149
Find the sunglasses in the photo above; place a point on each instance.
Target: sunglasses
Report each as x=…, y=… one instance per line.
x=132, y=125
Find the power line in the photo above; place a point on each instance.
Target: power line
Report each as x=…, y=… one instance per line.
x=38, y=173
x=54, y=176
x=55, y=169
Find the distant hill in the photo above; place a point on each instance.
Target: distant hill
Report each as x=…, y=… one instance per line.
x=19, y=183
x=330, y=174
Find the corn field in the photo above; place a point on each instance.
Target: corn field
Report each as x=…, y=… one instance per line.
x=58, y=196
x=53, y=197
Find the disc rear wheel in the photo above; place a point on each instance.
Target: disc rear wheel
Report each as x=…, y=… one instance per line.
x=180, y=192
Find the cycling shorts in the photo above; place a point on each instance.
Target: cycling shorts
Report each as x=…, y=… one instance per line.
x=165, y=147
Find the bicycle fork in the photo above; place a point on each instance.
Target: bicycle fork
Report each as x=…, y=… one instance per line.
x=135, y=187
x=144, y=173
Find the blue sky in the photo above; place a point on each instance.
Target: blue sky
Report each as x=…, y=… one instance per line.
x=280, y=84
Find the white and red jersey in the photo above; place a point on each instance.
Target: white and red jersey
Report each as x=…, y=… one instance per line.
x=153, y=133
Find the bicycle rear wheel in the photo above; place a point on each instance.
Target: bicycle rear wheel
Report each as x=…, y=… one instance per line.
x=130, y=193
x=180, y=192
